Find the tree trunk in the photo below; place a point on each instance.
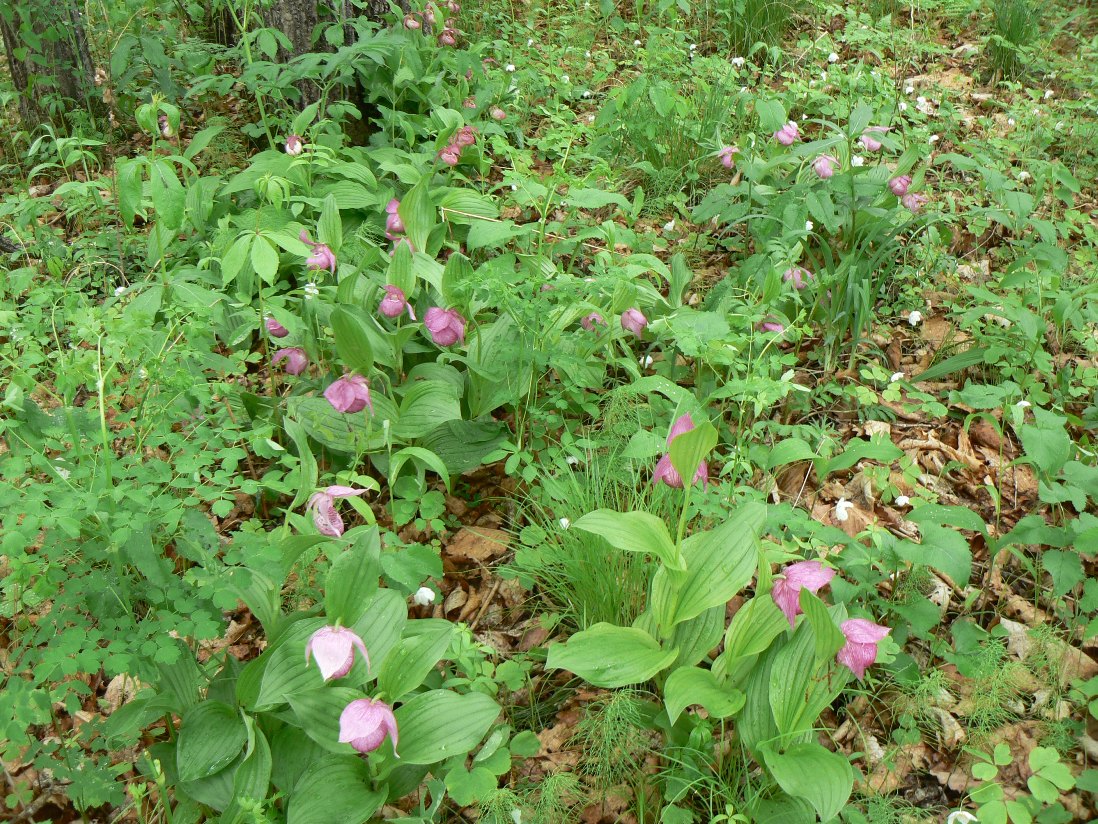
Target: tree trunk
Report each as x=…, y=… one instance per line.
x=63, y=68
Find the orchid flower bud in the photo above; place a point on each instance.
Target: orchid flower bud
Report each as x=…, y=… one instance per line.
x=860, y=650
x=450, y=155
x=394, y=303
x=364, y=724
x=466, y=136
x=447, y=37
x=326, y=517
x=798, y=276
x=728, y=156
x=665, y=470
x=394, y=226
x=322, y=256
x=788, y=134
x=351, y=393
x=446, y=326
x=914, y=202
x=412, y=21
x=633, y=320
x=589, y=322
x=871, y=143
x=770, y=325
x=824, y=166
x=294, y=146
x=497, y=113
x=295, y=357
x=333, y=649
x=899, y=185
x=165, y=126
x=276, y=329
x=810, y=575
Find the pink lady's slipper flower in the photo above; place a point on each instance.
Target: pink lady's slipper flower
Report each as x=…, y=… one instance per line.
x=770, y=325
x=728, y=156
x=810, y=575
x=394, y=303
x=633, y=320
x=450, y=155
x=788, y=134
x=446, y=326
x=294, y=146
x=351, y=393
x=413, y=21
x=321, y=258
x=466, y=136
x=824, y=166
x=394, y=226
x=165, y=127
x=364, y=724
x=447, y=37
x=860, y=651
x=275, y=329
x=589, y=322
x=295, y=357
x=900, y=185
x=333, y=649
x=665, y=471
x=497, y=113
x=871, y=143
x=798, y=276
x=326, y=517
x=914, y=202
x=469, y=103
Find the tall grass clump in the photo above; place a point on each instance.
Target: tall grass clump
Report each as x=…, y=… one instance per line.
x=1015, y=25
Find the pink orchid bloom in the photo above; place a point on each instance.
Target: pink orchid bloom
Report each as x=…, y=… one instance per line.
x=446, y=326
x=824, y=166
x=589, y=322
x=788, y=134
x=364, y=724
x=394, y=303
x=450, y=155
x=394, y=226
x=665, y=471
x=351, y=393
x=860, y=651
x=447, y=37
x=633, y=320
x=333, y=649
x=771, y=325
x=294, y=146
x=871, y=143
x=412, y=21
x=466, y=136
x=497, y=113
x=321, y=258
x=798, y=276
x=326, y=517
x=900, y=185
x=295, y=357
x=914, y=202
x=275, y=329
x=728, y=156
x=810, y=575
x=469, y=103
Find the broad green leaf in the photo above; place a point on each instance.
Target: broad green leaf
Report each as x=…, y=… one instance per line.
x=697, y=637
x=349, y=433
x=337, y=789
x=691, y=685
x=211, y=736
x=353, y=579
x=753, y=629
x=381, y=625
x=822, y=778
x=352, y=339
x=308, y=471
x=463, y=445
x=801, y=687
x=609, y=656
x=317, y=713
x=689, y=449
x=253, y=776
x=829, y=638
x=130, y=181
x=418, y=214
x=633, y=532
x=943, y=549
x=329, y=228
x=424, y=406
x=423, y=646
x=424, y=456
x=439, y=724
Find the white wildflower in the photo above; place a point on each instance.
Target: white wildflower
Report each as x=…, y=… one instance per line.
x=1010, y=121
x=586, y=93
x=424, y=596
x=738, y=61
x=564, y=78
x=693, y=47
x=833, y=58
x=903, y=106
x=896, y=376
x=510, y=67
x=915, y=318
x=809, y=225
x=637, y=43
x=564, y=523
x=960, y=817
x=1048, y=93
x=669, y=226
x=842, y=509
x=857, y=160
x=1023, y=404
x=530, y=42
x=646, y=361
x=311, y=291
x=934, y=138
x=119, y=291
x=902, y=500
x=587, y=54
x=572, y=460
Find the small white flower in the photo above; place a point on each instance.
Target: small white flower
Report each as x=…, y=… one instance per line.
x=646, y=361
x=669, y=226
x=586, y=93
x=909, y=89
x=809, y=225
x=804, y=117
x=143, y=374
x=119, y=291
x=1048, y=93
x=915, y=318
x=833, y=58
x=530, y=42
x=424, y=596
x=1023, y=175
x=857, y=160
x=1060, y=126
x=636, y=43
x=1036, y=110
x=903, y=106
x=960, y=817
x=1023, y=404
x=60, y=470
x=738, y=61
x=823, y=75
x=1010, y=121
x=587, y=54
x=811, y=84
x=564, y=78
x=311, y=291
x=693, y=47
x=896, y=376
x=842, y=509
x=590, y=118
x=572, y=460
x=564, y=523
x=934, y=138
x=902, y=500
x=514, y=187
x=510, y=67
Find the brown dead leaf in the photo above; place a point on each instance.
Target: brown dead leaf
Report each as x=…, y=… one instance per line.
x=478, y=544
